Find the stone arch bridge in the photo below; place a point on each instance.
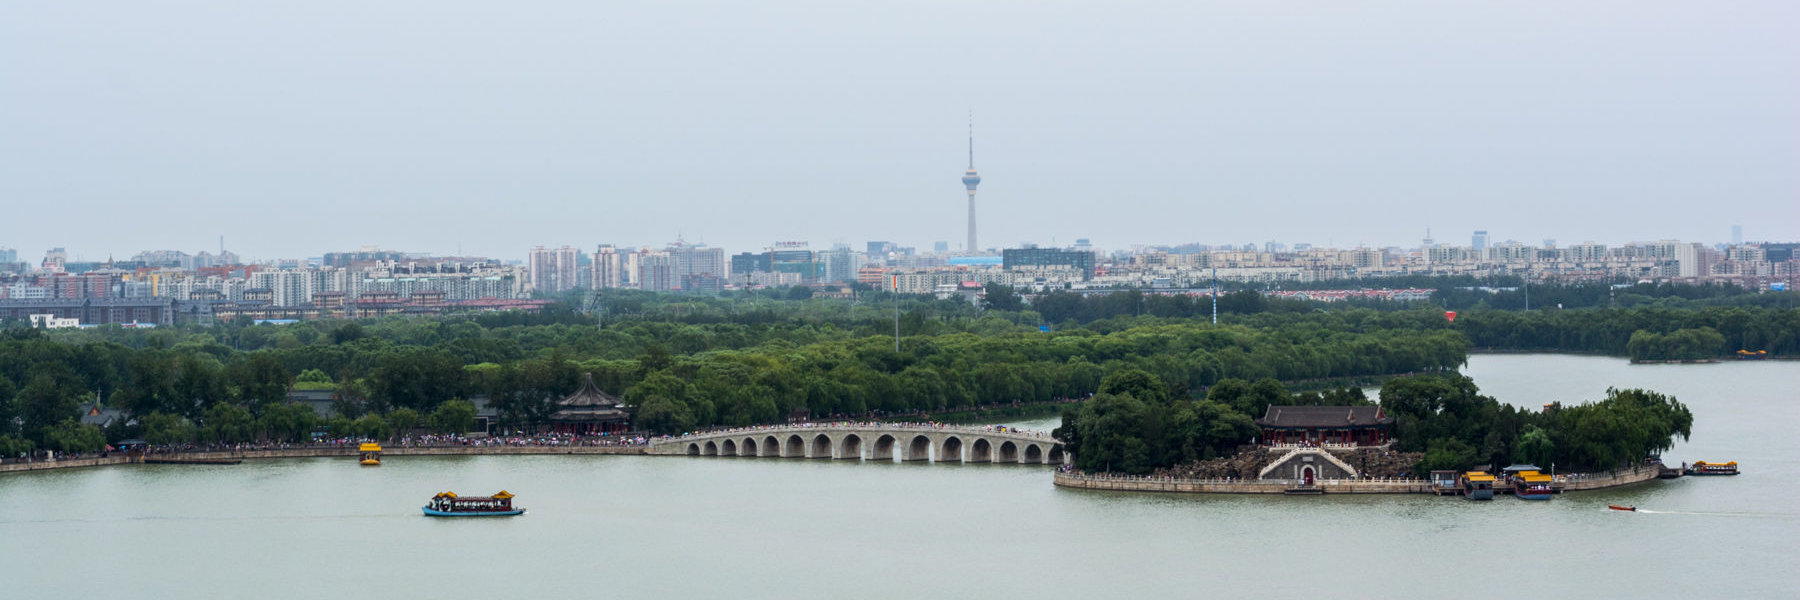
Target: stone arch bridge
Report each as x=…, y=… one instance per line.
x=871, y=441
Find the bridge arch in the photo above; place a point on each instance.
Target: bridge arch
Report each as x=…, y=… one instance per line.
x=748, y=448
x=1034, y=454
x=1056, y=455
x=1009, y=452
x=710, y=449
x=728, y=448
x=693, y=449
x=981, y=451
x=850, y=448
x=950, y=450
x=820, y=447
x=919, y=448
x=771, y=447
x=794, y=448
x=884, y=448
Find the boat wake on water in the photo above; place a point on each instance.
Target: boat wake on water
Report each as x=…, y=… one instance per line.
x=1764, y=515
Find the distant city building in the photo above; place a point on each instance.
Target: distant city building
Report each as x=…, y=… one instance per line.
x=656, y=271
x=1479, y=241
x=55, y=260
x=839, y=265
x=698, y=261
x=53, y=322
x=745, y=263
x=367, y=254
x=553, y=270
x=172, y=259
x=940, y=247
x=608, y=268
x=1016, y=258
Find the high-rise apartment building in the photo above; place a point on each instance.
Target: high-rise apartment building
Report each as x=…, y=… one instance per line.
x=1479, y=241
x=839, y=265
x=607, y=267
x=696, y=260
x=655, y=271
x=553, y=269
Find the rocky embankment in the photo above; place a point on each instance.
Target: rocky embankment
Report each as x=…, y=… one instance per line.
x=1250, y=460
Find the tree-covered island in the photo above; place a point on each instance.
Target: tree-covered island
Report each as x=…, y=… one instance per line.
x=1135, y=426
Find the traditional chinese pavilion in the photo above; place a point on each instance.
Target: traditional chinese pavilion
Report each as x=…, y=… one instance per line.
x=590, y=411
x=1347, y=425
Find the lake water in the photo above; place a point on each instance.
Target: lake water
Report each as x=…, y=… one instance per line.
x=611, y=526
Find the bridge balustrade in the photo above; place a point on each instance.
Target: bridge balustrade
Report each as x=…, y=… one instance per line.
x=904, y=442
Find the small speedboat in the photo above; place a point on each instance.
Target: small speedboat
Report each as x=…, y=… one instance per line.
x=1624, y=508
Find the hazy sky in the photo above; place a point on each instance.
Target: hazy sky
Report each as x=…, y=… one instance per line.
x=299, y=127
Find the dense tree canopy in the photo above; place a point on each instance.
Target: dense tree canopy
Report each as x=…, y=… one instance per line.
x=697, y=361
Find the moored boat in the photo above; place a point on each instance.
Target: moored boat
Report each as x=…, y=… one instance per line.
x=1478, y=485
x=371, y=454
x=1701, y=467
x=448, y=504
x=1532, y=485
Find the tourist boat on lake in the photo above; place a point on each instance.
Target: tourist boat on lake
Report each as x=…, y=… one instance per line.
x=1624, y=508
x=1478, y=485
x=1532, y=485
x=371, y=454
x=1701, y=467
x=448, y=504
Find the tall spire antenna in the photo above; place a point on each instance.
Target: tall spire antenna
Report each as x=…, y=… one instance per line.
x=971, y=179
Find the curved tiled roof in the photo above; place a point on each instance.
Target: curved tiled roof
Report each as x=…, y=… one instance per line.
x=590, y=404
x=588, y=395
x=1323, y=416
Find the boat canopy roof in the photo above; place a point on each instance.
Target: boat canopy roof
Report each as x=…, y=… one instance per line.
x=1478, y=476
x=1535, y=477
x=502, y=495
x=369, y=447
x=1699, y=463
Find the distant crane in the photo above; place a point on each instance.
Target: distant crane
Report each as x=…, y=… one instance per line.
x=595, y=306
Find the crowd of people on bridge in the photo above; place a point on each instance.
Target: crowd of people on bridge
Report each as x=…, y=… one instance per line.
x=906, y=425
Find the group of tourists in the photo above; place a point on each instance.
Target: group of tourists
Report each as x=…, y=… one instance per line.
x=541, y=439
x=922, y=425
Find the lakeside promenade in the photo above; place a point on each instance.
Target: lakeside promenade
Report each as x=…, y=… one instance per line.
x=325, y=451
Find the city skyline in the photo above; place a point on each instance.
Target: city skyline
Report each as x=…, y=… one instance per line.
x=1735, y=237
x=1130, y=124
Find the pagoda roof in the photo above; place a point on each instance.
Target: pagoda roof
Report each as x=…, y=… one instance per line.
x=589, y=404
x=1323, y=416
x=588, y=396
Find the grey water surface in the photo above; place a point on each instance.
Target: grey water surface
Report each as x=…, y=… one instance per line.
x=679, y=527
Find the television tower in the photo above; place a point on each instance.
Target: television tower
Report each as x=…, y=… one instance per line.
x=970, y=180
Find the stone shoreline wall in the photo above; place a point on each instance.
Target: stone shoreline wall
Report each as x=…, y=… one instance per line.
x=1128, y=483
x=349, y=451
x=1215, y=486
